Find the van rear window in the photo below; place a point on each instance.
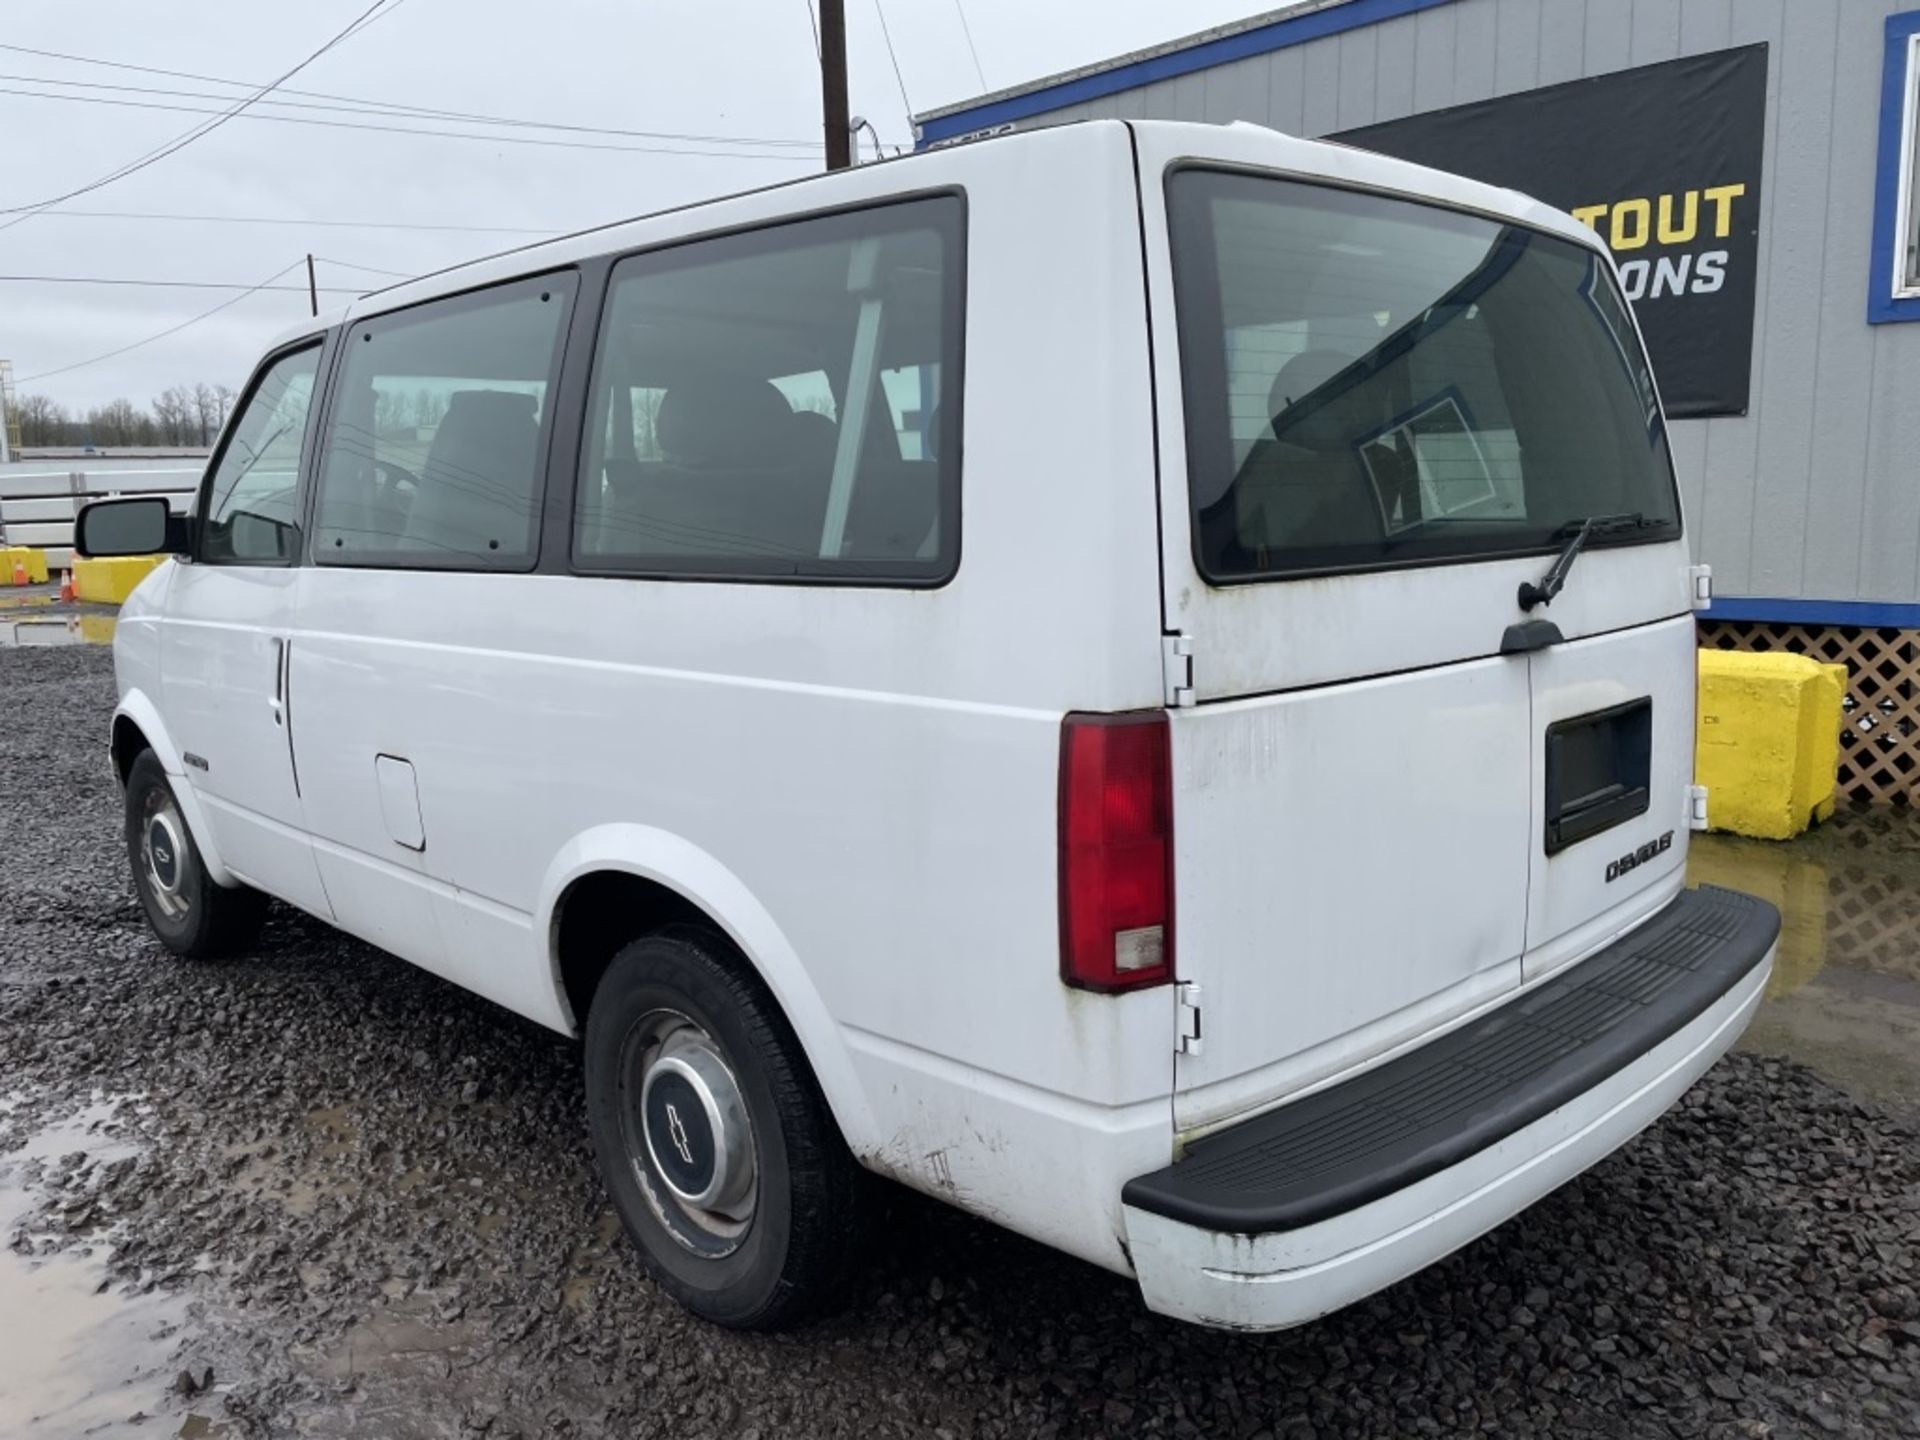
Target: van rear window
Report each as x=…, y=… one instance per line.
x=1372, y=382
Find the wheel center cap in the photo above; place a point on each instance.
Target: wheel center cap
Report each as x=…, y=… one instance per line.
x=680, y=1131
x=165, y=853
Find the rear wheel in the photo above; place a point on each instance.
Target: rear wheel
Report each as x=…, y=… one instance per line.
x=712, y=1137
x=192, y=916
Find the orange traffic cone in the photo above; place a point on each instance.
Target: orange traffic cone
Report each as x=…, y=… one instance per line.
x=19, y=571
x=67, y=593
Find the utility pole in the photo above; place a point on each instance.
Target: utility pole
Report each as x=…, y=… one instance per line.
x=313, y=290
x=833, y=83
x=9, y=419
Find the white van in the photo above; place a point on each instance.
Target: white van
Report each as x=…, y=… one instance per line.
x=1136, y=678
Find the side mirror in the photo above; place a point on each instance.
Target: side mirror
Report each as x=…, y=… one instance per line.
x=134, y=525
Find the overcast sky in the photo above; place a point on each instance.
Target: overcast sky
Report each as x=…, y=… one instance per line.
x=718, y=68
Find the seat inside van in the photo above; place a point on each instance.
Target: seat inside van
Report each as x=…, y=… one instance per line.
x=741, y=471
x=696, y=453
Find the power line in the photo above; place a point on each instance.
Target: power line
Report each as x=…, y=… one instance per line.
x=370, y=269
x=161, y=335
x=390, y=109
x=169, y=284
x=887, y=35
x=373, y=12
x=967, y=30
x=814, y=22
x=299, y=221
x=791, y=156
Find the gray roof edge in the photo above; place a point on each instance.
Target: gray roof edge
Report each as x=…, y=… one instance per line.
x=1134, y=57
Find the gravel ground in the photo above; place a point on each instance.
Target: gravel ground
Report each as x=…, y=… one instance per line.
x=377, y=1195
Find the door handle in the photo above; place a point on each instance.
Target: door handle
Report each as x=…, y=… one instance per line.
x=278, y=704
x=1528, y=636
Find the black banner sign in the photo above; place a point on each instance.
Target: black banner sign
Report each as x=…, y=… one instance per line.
x=1663, y=162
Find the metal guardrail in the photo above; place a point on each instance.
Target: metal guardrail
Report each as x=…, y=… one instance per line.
x=39, y=510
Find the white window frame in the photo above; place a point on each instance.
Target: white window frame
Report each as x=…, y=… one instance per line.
x=1906, y=234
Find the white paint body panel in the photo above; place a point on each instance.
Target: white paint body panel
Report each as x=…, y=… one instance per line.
x=859, y=786
x=219, y=666
x=1351, y=869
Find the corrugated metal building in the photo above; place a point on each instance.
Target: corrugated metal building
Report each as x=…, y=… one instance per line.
x=1807, y=505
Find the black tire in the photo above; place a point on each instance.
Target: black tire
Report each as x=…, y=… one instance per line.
x=808, y=1195
x=192, y=916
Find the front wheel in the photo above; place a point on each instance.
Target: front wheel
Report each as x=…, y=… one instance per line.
x=192, y=916
x=712, y=1137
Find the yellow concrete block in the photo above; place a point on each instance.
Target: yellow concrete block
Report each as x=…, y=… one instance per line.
x=1769, y=741
x=33, y=562
x=109, y=582
x=1820, y=743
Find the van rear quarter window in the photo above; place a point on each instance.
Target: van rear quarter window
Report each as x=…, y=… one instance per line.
x=1375, y=382
x=781, y=402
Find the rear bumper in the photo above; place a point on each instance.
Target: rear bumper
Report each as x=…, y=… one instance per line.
x=1305, y=1209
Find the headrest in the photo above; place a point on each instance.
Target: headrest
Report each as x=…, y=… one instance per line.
x=725, y=420
x=487, y=417
x=1323, y=419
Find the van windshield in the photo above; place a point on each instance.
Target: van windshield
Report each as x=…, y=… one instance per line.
x=1375, y=382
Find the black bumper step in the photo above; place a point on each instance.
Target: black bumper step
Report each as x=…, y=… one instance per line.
x=1436, y=1106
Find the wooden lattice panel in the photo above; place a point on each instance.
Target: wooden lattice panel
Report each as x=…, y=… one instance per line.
x=1880, y=731
x=1873, y=920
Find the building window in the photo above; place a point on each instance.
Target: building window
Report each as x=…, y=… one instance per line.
x=1895, y=293
x=1908, y=280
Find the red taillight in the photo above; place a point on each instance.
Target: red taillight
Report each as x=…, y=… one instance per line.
x=1116, y=851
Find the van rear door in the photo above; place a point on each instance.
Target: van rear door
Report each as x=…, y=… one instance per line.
x=1380, y=416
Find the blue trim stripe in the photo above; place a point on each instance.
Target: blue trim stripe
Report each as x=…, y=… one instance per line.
x=1872, y=614
x=1317, y=25
x=1882, y=307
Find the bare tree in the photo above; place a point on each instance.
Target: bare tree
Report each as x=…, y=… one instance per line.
x=42, y=420
x=206, y=411
x=223, y=400
x=173, y=413
x=119, y=422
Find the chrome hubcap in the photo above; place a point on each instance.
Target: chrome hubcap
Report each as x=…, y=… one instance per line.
x=163, y=853
x=688, y=1135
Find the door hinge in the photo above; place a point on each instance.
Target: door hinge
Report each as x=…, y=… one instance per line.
x=1186, y=1014
x=1696, y=807
x=1176, y=663
x=1700, y=585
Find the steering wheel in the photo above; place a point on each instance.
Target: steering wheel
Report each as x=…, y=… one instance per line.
x=391, y=477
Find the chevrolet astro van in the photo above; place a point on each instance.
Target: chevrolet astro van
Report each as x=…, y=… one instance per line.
x=1137, y=678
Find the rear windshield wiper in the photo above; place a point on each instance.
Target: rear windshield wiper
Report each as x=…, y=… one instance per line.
x=1576, y=533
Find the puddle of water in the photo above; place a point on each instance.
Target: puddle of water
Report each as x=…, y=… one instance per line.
x=336, y=1125
x=393, y=1359
x=68, y=629
x=1845, y=993
x=82, y=1355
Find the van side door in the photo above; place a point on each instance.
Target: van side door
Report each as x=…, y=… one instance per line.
x=224, y=647
x=425, y=530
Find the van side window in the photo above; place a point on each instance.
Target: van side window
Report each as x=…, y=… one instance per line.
x=782, y=402
x=436, y=439
x=252, y=498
